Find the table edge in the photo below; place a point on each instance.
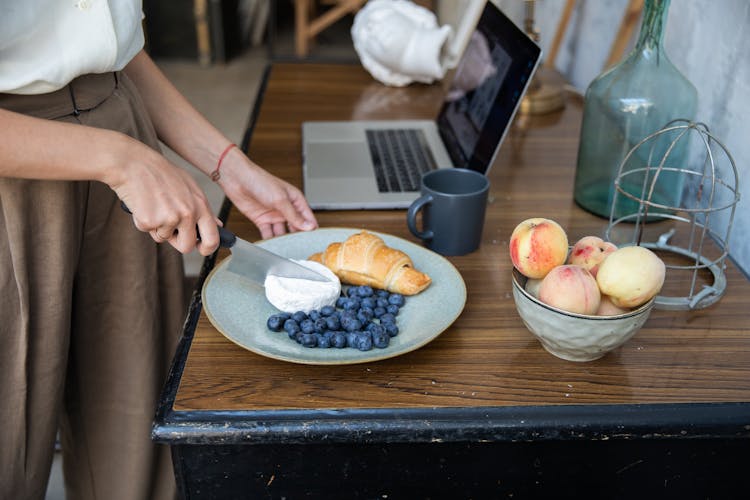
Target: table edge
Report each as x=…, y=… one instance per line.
x=472, y=424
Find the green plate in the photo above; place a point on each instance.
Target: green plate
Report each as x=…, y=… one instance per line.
x=239, y=309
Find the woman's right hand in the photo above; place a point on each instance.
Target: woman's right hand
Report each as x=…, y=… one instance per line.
x=164, y=199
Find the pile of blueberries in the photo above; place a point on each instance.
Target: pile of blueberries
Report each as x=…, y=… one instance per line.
x=363, y=318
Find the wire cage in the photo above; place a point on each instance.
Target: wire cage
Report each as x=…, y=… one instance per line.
x=676, y=193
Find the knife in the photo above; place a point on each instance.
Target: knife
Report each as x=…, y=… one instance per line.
x=255, y=263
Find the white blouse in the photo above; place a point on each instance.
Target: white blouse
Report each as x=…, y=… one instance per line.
x=44, y=44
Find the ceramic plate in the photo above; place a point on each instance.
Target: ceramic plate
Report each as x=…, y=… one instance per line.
x=239, y=309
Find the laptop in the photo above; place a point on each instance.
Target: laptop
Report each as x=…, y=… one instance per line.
x=378, y=164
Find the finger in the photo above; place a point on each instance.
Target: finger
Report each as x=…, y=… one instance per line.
x=156, y=236
x=284, y=205
x=186, y=236
x=207, y=227
x=305, y=225
x=294, y=219
x=305, y=218
x=306, y=212
x=279, y=228
x=163, y=233
x=266, y=231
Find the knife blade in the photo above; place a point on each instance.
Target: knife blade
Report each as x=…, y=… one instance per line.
x=256, y=263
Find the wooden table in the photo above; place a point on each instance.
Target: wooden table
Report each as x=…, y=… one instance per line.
x=483, y=411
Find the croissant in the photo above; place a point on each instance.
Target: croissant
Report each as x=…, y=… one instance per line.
x=365, y=259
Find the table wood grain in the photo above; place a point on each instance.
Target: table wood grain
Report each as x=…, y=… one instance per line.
x=487, y=358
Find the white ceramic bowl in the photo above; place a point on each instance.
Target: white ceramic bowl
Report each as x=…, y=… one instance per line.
x=575, y=337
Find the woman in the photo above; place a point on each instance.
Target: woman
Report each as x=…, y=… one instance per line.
x=91, y=307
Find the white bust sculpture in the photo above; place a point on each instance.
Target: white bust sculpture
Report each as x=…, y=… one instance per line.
x=400, y=42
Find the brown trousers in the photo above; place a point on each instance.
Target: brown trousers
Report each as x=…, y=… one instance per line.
x=90, y=315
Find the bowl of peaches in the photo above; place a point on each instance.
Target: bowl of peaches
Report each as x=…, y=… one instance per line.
x=585, y=300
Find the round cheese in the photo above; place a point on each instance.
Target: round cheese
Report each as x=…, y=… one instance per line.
x=293, y=294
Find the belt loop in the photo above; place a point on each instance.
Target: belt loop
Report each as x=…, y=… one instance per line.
x=76, y=111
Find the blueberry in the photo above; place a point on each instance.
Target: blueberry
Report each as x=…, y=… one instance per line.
x=379, y=311
x=352, y=304
x=397, y=299
x=391, y=329
x=308, y=340
x=382, y=293
x=369, y=302
x=338, y=340
x=351, y=339
x=348, y=313
x=351, y=291
x=381, y=339
x=346, y=320
x=275, y=322
x=375, y=328
x=333, y=323
x=307, y=326
x=341, y=301
x=364, y=291
x=363, y=342
x=323, y=341
x=387, y=318
x=326, y=311
x=352, y=325
x=320, y=325
x=392, y=309
x=382, y=302
x=365, y=314
x=313, y=315
x=291, y=326
x=299, y=316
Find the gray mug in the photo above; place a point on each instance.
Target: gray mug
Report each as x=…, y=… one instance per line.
x=453, y=204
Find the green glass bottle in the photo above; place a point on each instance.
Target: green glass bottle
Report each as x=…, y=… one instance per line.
x=623, y=105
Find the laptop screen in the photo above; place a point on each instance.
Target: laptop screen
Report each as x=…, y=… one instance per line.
x=486, y=90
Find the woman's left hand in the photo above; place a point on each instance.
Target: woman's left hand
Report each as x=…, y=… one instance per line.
x=272, y=204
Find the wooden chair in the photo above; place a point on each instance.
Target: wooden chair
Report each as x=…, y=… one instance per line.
x=308, y=24
x=627, y=26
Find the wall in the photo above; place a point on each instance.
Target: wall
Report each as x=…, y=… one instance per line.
x=706, y=40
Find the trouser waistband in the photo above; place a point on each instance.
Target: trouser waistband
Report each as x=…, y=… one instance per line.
x=82, y=94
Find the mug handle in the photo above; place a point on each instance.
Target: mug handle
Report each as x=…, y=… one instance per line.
x=411, y=217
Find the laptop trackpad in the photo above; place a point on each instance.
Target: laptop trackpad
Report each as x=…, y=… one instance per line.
x=339, y=159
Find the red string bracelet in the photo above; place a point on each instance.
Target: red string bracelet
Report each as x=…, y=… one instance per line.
x=216, y=175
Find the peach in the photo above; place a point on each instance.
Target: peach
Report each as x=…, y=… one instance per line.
x=570, y=288
x=537, y=245
x=608, y=308
x=532, y=286
x=631, y=276
x=589, y=252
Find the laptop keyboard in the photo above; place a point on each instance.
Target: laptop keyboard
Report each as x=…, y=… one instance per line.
x=400, y=157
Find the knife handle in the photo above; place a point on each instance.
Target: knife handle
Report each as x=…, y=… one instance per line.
x=227, y=239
